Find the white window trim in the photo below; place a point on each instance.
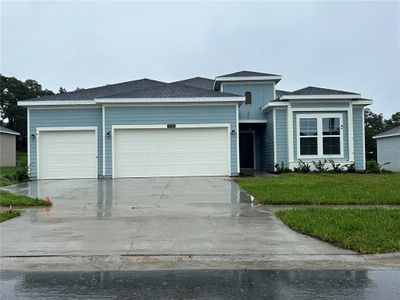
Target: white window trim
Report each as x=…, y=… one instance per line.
x=164, y=126
x=84, y=128
x=319, y=136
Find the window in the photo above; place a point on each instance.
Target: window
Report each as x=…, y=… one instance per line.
x=247, y=96
x=331, y=136
x=308, y=136
x=319, y=135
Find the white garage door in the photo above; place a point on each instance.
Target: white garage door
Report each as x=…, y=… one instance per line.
x=171, y=152
x=67, y=154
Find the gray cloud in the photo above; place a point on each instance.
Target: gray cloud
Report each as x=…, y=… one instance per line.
x=352, y=46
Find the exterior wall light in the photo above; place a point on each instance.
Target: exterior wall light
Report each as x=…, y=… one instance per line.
x=233, y=132
x=33, y=136
x=108, y=134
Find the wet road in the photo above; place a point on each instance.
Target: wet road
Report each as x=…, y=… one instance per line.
x=203, y=284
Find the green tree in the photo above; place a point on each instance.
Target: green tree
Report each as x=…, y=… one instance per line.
x=12, y=90
x=394, y=121
x=374, y=124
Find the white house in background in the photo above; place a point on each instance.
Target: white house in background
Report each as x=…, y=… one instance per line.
x=7, y=147
x=388, y=143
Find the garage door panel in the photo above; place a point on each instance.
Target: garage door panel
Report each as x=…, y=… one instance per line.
x=67, y=154
x=166, y=152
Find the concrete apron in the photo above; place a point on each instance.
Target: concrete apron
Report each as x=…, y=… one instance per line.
x=153, y=223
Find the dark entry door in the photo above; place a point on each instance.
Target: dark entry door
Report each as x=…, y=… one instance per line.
x=246, y=148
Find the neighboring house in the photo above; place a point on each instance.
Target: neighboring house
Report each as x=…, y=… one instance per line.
x=7, y=147
x=193, y=127
x=388, y=143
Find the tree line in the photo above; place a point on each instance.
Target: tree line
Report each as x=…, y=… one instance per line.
x=13, y=90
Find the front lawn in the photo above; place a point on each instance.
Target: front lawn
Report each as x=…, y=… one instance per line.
x=7, y=198
x=369, y=230
x=325, y=188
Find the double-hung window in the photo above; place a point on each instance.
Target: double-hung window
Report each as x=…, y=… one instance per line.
x=319, y=135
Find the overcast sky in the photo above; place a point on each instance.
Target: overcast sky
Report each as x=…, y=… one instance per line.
x=350, y=46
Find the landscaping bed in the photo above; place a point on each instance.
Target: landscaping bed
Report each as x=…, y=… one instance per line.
x=13, y=175
x=7, y=199
x=5, y=215
x=324, y=188
x=10, y=200
x=365, y=230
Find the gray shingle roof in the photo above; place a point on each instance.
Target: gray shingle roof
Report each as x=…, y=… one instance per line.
x=392, y=131
x=8, y=130
x=247, y=74
x=102, y=91
x=281, y=93
x=312, y=90
x=171, y=90
x=199, y=82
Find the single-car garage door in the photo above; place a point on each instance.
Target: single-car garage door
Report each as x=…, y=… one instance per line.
x=67, y=154
x=171, y=152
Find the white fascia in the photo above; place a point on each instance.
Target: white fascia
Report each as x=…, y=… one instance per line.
x=386, y=135
x=317, y=97
x=274, y=104
x=362, y=102
x=249, y=78
x=171, y=100
x=55, y=102
x=7, y=132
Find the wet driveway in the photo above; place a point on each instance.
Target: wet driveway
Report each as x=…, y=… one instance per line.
x=203, y=284
x=150, y=216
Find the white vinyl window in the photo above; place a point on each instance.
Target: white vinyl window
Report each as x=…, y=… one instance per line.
x=319, y=136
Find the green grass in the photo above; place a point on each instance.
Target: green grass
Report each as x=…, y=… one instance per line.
x=10, y=171
x=326, y=188
x=5, y=215
x=7, y=198
x=369, y=230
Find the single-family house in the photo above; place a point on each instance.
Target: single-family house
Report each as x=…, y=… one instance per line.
x=388, y=147
x=192, y=127
x=8, y=147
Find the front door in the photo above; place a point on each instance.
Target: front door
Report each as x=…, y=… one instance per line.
x=246, y=145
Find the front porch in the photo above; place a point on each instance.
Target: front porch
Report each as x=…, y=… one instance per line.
x=253, y=147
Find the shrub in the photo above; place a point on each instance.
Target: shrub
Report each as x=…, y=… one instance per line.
x=320, y=166
x=303, y=167
x=336, y=167
x=21, y=175
x=374, y=167
x=351, y=168
x=281, y=168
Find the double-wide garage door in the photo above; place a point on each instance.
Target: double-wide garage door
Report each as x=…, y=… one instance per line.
x=65, y=154
x=171, y=152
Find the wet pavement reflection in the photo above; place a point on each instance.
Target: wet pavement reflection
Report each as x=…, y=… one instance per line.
x=203, y=284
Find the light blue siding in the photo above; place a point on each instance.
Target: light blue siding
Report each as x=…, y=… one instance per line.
x=261, y=93
x=152, y=115
x=64, y=118
x=359, y=155
x=345, y=136
x=281, y=136
x=268, y=155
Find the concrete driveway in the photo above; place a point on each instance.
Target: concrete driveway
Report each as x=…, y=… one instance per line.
x=149, y=216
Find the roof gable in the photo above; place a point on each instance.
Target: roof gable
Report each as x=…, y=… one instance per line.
x=247, y=74
x=312, y=90
x=199, y=82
